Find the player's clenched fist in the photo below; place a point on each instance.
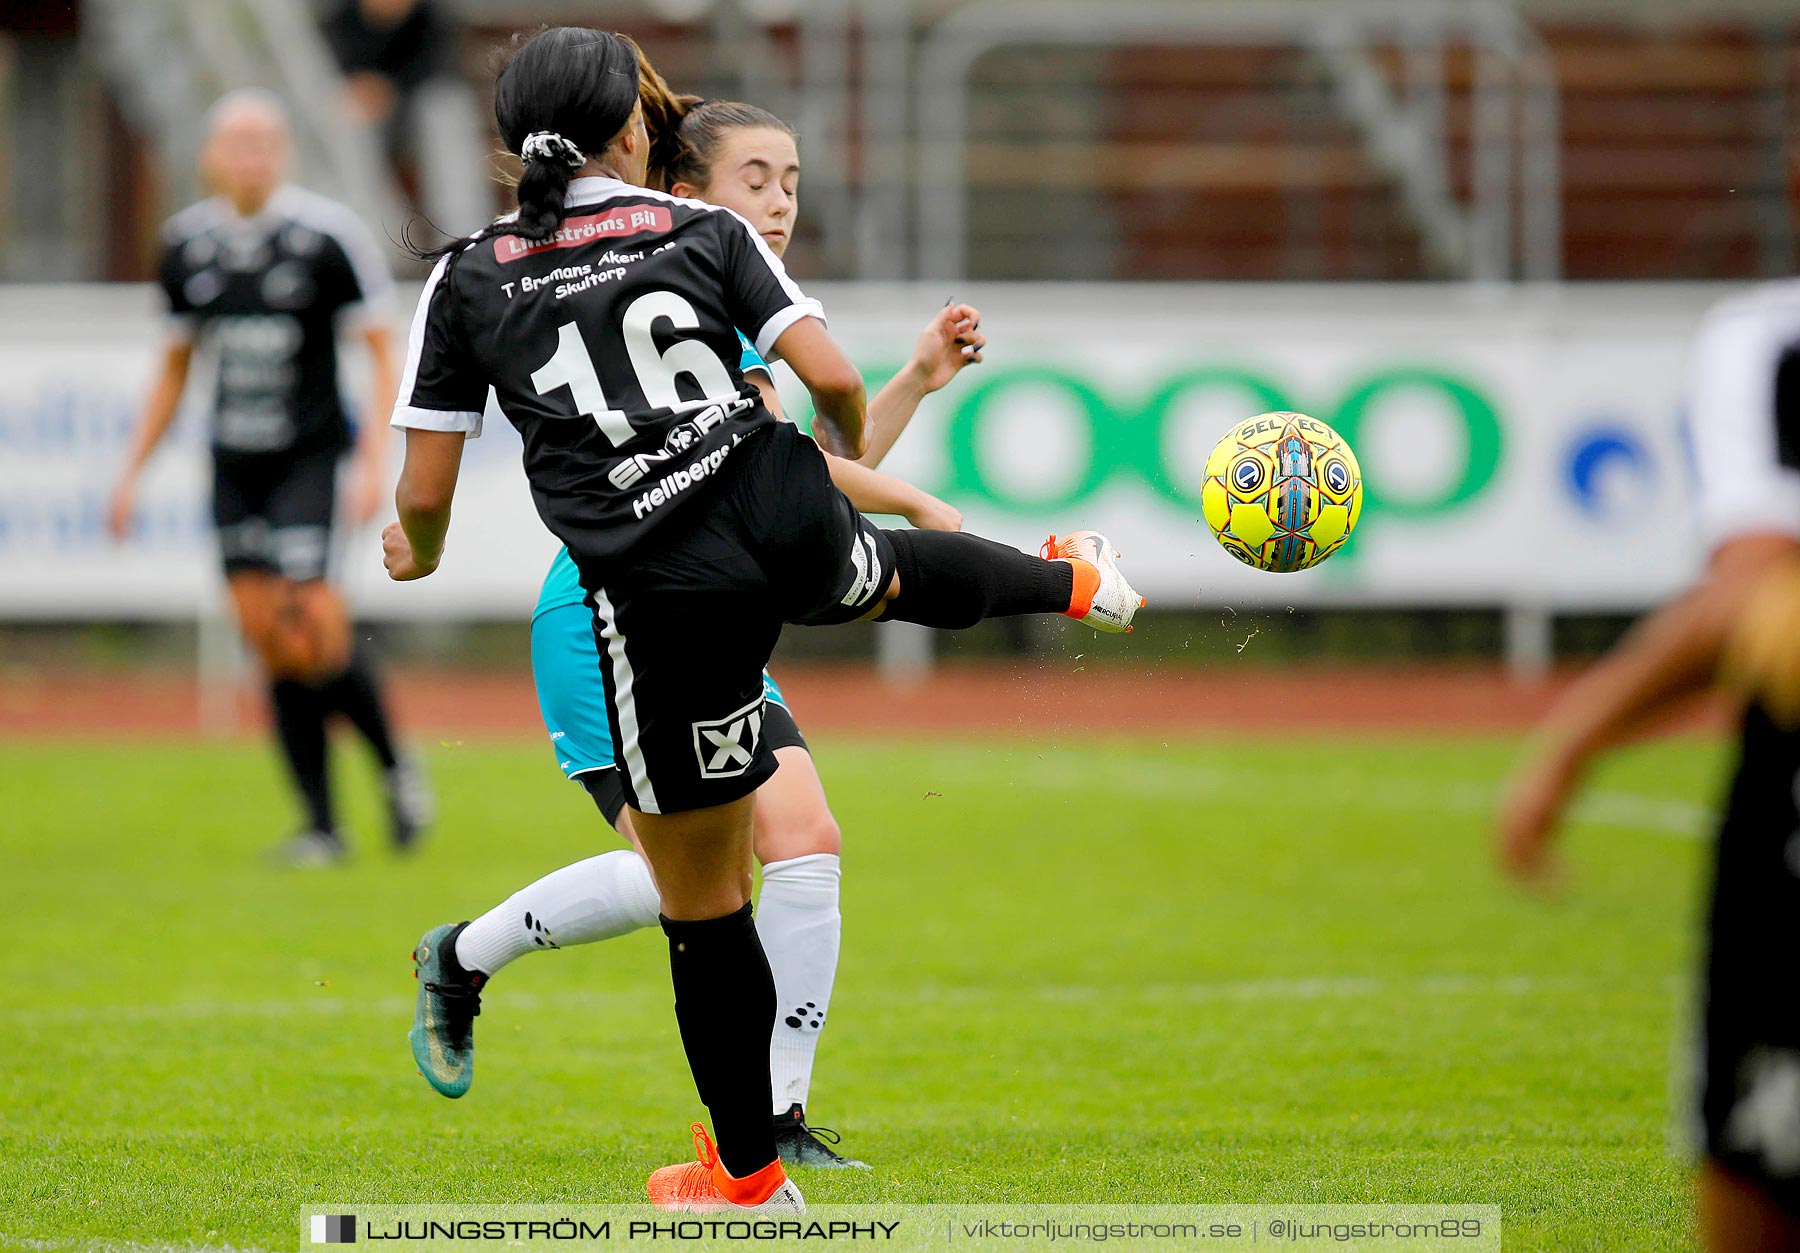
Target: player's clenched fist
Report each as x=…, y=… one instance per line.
x=397, y=555
x=952, y=340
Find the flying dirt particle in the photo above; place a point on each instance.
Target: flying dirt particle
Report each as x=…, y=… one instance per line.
x=929, y=795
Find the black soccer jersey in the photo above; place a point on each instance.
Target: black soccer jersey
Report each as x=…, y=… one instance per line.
x=263, y=294
x=612, y=347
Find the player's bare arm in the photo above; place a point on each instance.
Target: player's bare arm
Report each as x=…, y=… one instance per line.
x=1761, y=663
x=368, y=490
x=950, y=341
x=158, y=414
x=870, y=490
x=841, y=405
x=1670, y=655
x=413, y=546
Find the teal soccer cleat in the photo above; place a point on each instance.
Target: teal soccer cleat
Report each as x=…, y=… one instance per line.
x=443, y=1030
x=803, y=1145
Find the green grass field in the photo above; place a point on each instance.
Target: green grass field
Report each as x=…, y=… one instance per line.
x=1262, y=971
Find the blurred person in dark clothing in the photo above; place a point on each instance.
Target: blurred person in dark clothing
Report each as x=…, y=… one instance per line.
x=263, y=279
x=388, y=49
x=1737, y=628
x=399, y=59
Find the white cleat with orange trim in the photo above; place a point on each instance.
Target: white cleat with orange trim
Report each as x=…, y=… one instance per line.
x=1102, y=598
x=705, y=1185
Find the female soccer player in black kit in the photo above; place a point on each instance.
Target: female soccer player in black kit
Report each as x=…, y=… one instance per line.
x=264, y=274
x=1738, y=626
x=604, y=317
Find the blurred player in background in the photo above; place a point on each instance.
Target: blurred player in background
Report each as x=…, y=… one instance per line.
x=263, y=276
x=746, y=159
x=388, y=50
x=1740, y=621
x=403, y=82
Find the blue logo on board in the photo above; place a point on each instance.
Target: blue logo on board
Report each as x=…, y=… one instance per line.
x=1608, y=471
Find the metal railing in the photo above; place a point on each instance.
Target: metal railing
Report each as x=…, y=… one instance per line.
x=170, y=59
x=290, y=55
x=1510, y=229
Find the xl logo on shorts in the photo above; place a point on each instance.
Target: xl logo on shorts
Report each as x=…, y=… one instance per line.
x=726, y=747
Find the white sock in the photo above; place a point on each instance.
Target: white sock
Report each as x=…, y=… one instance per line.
x=612, y=894
x=797, y=918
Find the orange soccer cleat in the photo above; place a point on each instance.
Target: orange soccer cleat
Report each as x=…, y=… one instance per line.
x=705, y=1184
x=1102, y=597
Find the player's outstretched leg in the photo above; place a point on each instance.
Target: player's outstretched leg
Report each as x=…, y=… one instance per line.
x=443, y=1030
x=596, y=899
x=1107, y=603
x=952, y=580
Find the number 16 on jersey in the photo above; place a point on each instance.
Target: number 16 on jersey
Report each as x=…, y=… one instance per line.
x=657, y=371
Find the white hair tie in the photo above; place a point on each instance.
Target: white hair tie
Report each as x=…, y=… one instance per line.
x=549, y=146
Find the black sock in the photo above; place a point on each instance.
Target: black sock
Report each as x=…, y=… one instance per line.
x=300, y=726
x=950, y=580
x=725, y=1005
x=355, y=694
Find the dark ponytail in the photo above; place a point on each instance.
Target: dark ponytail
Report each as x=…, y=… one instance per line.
x=543, y=185
x=686, y=131
x=664, y=112
x=563, y=96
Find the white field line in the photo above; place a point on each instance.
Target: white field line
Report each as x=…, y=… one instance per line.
x=1291, y=990
x=1346, y=791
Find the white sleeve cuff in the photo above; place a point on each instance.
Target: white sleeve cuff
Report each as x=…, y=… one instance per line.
x=772, y=329
x=1774, y=512
x=365, y=313
x=408, y=417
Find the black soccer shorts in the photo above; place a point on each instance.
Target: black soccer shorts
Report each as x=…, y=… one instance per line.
x=779, y=731
x=686, y=621
x=274, y=512
x=1749, y=1073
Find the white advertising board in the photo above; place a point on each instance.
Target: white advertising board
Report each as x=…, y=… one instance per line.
x=1521, y=447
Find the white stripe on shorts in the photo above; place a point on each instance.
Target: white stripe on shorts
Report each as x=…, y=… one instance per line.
x=631, y=750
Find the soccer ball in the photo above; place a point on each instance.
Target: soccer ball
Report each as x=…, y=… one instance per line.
x=1282, y=492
